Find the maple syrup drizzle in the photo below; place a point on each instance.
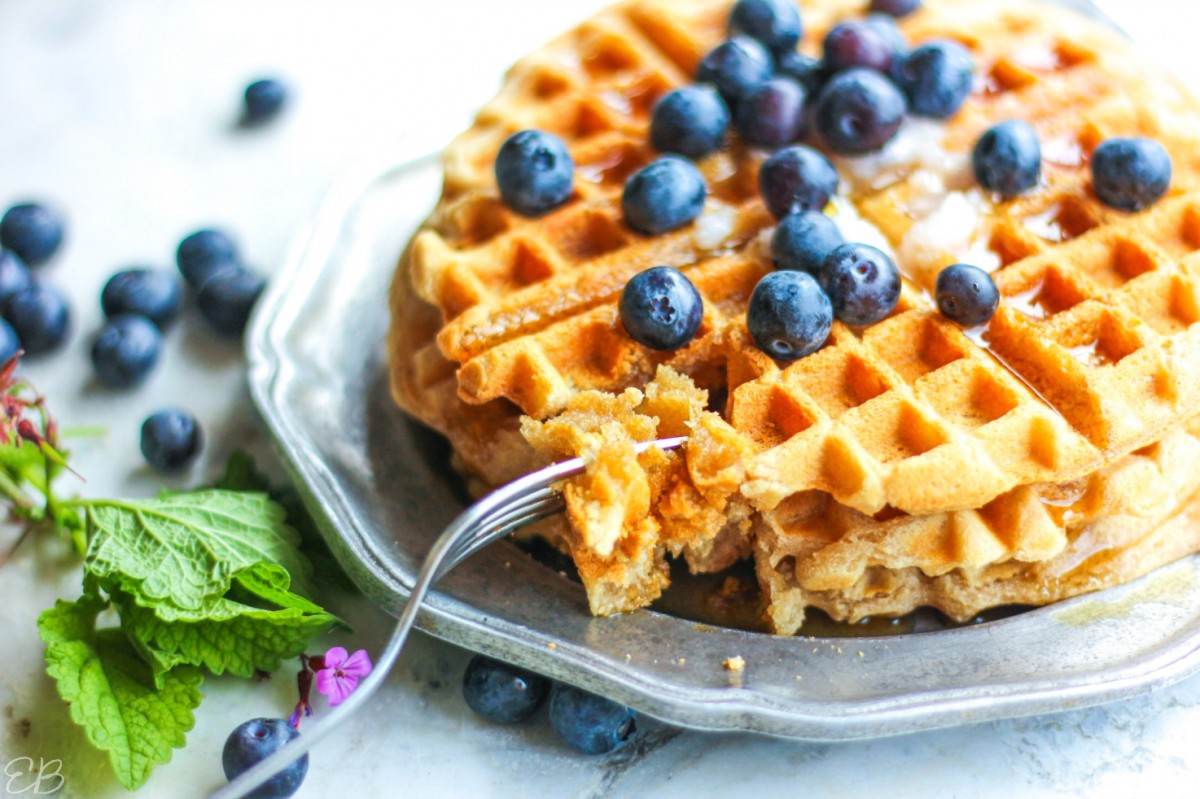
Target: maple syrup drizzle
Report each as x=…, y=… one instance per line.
x=978, y=335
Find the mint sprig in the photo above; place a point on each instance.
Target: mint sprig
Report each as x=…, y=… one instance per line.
x=112, y=693
x=199, y=580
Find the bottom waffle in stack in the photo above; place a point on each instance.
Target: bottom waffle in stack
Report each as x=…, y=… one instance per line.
x=1033, y=545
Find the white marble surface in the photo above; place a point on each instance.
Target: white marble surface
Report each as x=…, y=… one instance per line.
x=122, y=113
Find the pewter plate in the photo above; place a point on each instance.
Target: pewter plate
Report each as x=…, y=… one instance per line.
x=379, y=488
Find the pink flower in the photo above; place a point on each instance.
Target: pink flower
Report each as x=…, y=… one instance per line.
x=340, y=673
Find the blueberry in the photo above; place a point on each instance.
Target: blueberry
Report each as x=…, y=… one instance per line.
x=171, y=439
x=859, y=111
x=9, y=343
x=14, y=275
x=805, y=70
x=772, y=115
x=227, y=298
x=33, y=231
x=886, y=27
x=895, y=8
x=264, y=99
x=803, y=239
x=789, y=315
x=502, y=693
x=775, y=23
x=534, y=172
x=125, y=351
x=863, y=284
x=796, y=178
x=588, y=723
x=735, y=67
x=857, y=43
x=204, y=253
x=663, y=195
x=251, y=743
x=661, y=309
x=937, y=78
x=1008, y=158
x=1130, y=174
x=690, y=121
x=966, y=294
x=152, y=293
x=40, y=316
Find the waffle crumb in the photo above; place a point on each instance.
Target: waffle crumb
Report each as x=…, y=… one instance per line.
x=734, y=664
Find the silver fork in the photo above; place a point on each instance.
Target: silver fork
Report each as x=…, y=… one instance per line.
x=515, y=505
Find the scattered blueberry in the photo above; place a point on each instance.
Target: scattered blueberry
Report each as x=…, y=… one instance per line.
x=937, y=78
x=775, y=23
x=33, y=231
x=170, y=439
x=857, y=43
x=690, y=121
x=502, y=693
x=661, y=309
x=859, y=111
x=14, y=275
x=204, y=253
x=40, y=316
x=735, y=67
x=534, y=172
x=796, y=178
x=862, y=282
x=966, y=294
x=805, y=70
x=10, y=345
x=227, y=298
x=803, y=239
x=588, y=723
x=895, y=8
x=125, y=351
x=264, y=99
x=789, y=316
x=1130, y=174
x=1008, y=158
x=251, y=743
x=663, y=195
x=772, y=115
x=152, y=293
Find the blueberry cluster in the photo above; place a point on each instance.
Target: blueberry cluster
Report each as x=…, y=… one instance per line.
x=584, y=721
x=35, y=316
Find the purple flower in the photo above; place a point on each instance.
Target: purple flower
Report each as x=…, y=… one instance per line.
x=340, y=673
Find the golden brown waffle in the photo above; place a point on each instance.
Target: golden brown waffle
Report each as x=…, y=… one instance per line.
x=1032, y=545
x=1093, y=354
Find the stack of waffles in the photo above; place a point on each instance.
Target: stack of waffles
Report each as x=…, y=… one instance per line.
x=909, y=463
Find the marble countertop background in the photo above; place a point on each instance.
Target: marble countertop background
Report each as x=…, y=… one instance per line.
x=123, y=113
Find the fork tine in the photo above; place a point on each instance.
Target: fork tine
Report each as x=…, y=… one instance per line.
x=520, y=502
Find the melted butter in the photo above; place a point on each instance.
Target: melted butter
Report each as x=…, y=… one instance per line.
x=1046, y=225
x=1165, y=586
x=1029, y=303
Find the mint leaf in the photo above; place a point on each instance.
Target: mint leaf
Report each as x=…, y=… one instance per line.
x=111, y=692
x=185, y=549
x=225, y=634
x=242, y=474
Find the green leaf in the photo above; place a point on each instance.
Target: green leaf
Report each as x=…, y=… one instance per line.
x=185, y=549
x=242, y=474
x=111, y=691
x=224, y=635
